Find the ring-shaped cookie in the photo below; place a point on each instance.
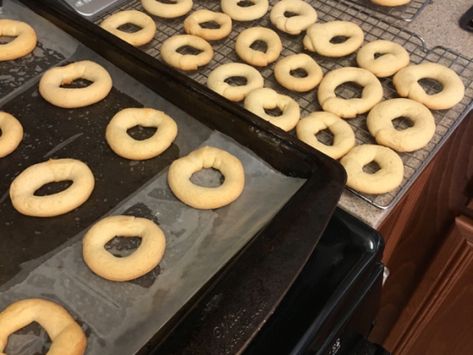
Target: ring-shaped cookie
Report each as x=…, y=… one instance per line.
x=186, y=62
x=381, y=127
x=286, y=65
x=66, y=335
x=343, y=135
x=144, y=259
x=245, y=13
x=12, y=133
x=167, y=10
x=319, y=36
x=126, y=146
x=138, y=18
x=252, y=56
x=390, y=3
x=348, y=108
x=260, y=99
x=216, y=80
x=406, y=82
x=306, y=16
x=23, y=43
x=51, y=81
x=393, y=58
x=24, y=186
x=386, y=179
x=193, y=24
x=202, y=197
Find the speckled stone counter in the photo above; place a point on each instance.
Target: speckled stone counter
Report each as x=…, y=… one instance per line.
x=438, y=25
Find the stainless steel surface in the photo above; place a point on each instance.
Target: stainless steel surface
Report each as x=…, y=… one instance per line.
x=374, y=28
x=91, y=8
x=406, y=12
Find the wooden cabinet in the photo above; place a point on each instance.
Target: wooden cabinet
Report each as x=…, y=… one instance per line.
x=417, y=227
x=439, y=317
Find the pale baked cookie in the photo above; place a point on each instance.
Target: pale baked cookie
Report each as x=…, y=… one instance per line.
x=11, y=133
x=66, y=335
x=217, y=80
x=245, y=13
x=391, y=3
x=343, y=135
x=193, y=24
x=186, y=62
x=319, y=36
x=348, y=108
x=284, y=68
x=412, y=138
x=140, y=19
x=260, y=99
x=406, y=82
x=393, y=58
x=24, y=186
x=144, y=259
x=306, y=16
x=23, y=43
x=386, y=179
x=203, y=197
x=51, y=81
x=254, y=57
x=167, y=10
x=126, y=146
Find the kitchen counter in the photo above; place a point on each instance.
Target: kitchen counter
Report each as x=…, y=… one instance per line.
x=438, y=25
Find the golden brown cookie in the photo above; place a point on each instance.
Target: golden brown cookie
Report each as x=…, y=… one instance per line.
x=380, y=124
x=202, y=197
x=144, y=259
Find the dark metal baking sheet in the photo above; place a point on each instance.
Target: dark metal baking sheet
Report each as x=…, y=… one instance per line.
x=31, y=263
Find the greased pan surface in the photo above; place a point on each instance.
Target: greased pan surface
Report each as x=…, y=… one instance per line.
x=48, y=264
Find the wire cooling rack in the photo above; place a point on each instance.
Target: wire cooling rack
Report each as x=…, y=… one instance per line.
x=406, y=12
x=374, y=28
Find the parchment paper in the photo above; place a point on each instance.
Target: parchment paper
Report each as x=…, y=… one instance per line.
x=119, y=318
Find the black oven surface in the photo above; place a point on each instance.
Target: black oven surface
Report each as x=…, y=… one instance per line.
x=328, y=310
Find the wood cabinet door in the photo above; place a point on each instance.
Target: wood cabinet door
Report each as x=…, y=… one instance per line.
x=439, y=317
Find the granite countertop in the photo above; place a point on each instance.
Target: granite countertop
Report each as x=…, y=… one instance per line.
x=438, y=25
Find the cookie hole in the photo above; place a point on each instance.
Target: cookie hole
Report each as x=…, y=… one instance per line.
x=371, y=167
x=129, y=28
x=188, y=50
x=6, y=39
x=276, y=111
x=290, y=14
x=325, y=136
x=349, y=90
x=211, y=25
x=402, y=123
x=431, y=86
x=208, y=178
x=141, y=133
x=338, y=39
x=378, y=54
x=236, y=81
x=31, y=339
x=77, y=84
x=52, y=188
x=245, y=3
x=259, y=45
x=168, y=1
x=122, y=246
x=299, y=73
